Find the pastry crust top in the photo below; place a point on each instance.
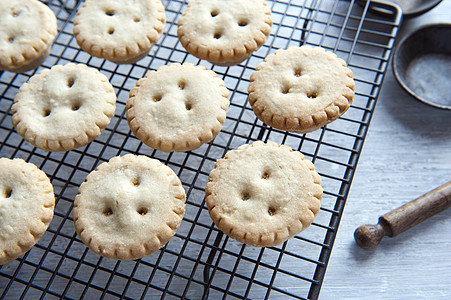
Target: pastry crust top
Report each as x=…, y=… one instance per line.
x=129, y=207
x=178, y=107
x=63, y=108
x=301, y=89
x=26, y=207
x=263, y=194
x=27, y=30
x=119, y=30
x=224, y=32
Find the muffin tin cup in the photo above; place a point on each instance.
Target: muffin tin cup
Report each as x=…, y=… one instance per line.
x=422, y=64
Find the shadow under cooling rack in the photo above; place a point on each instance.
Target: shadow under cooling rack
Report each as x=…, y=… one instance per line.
x=199, y=261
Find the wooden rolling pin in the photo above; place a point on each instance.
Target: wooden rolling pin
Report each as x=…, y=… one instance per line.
x=405, y=217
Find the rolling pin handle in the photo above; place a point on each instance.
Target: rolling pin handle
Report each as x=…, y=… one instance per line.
x=405, y=217
x=369, y=236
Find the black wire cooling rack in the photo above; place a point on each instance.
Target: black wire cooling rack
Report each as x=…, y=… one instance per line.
x=199, y=261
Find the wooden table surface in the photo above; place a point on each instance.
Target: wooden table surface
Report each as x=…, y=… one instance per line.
x=406, y=154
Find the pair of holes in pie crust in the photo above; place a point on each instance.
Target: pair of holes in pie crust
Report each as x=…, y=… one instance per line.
x=218, y=33
x=75, y=106
x=245, y=195
x=242, y=22
x=312, y=94
x=136, y=181
x=15, y=14
x=188, y=105
x=181, y=86
x=111, y=12
x=141, y=211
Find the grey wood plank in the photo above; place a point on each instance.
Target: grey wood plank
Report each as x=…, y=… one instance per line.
x=406, y=154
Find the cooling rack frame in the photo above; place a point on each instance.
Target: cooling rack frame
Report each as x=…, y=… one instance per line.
x=200, y=261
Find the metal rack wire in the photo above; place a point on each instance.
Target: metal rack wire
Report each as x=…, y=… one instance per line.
x=201, y=262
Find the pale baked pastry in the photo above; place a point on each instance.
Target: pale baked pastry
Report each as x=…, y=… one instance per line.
x=224, y=32
x=27, y=31
x=301, y=89
x=129, y=207
x=26, y=207
x=122, y=31
x=263, y=194
x=64, y=107
x=178, y=107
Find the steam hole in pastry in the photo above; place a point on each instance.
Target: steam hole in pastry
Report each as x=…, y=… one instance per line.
x=243, y=23
x=181, y=85
x=297, y=73
x=312, y=94
x=214, y=13
x=8, y=192
x=271, y=211
x=137, y=19
x=11, y=39
x=108, y=211
x=46, y=112
x=265, y=175
x=109, y=12
x=16, y=13
x=136, y=181
x=76, y=106
x=245, y=196
x=285, y=90
x=111, y=31
x=142, y=211
x=188, y=106
x=157, y=98
x=70, y=82
x=217, y=35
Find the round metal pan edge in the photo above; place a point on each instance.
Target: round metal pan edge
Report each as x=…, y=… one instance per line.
x=430, y=50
